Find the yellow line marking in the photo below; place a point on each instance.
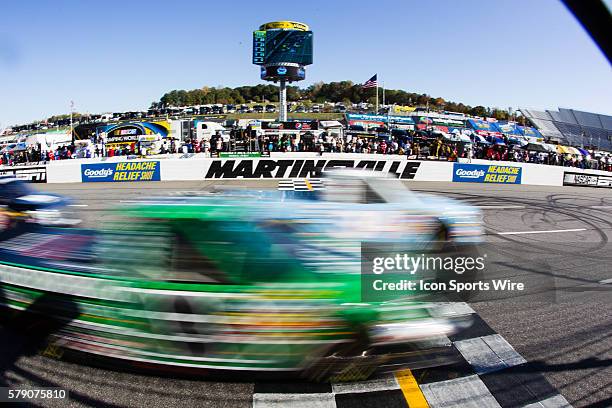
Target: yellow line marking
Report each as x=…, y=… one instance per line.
x=413, y=394
x=308, y=184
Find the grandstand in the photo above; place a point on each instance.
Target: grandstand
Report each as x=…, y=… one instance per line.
x=573, y=127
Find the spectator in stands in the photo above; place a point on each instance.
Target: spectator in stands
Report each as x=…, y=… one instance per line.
x=383, y=147
x=425, y=151
x=394, y=147
x=437, y=145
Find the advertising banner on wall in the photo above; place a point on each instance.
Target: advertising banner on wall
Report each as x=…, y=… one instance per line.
x=482, y=173
x=399, y=110
x=303, y=168
x=294, y=125
x=483, y=127
x=365, y=117
x=121, y=171
x=129, y=132
x=586, y=180
x=34, y=174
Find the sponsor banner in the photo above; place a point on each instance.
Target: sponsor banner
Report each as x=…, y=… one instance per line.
x=29, y=164
x=586, y=180
x=35, y=174
x=365, y=117
x=276, y=72
x=481, y=173
x=129, y=132
x=121, y=139
x=238, y=155
x=403, y=109
x=509, y=128
x=401, y=120
x=365, y=124
x=531, y=132
x=434, y=127
x=284, y=25
x=483, y=125
x=302, y=168
x=604, y=181
x=295, y=125
x=121, y=171
x=440, y=121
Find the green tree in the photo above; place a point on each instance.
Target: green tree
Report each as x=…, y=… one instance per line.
x=478, y=111
x=342, y=91
x=500, y=114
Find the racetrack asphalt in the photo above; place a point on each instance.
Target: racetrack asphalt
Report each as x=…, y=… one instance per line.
x=558, y=237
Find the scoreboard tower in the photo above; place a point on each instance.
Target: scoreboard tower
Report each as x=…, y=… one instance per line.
x=282, y=49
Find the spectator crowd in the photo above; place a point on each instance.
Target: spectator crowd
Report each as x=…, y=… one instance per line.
x=426, y=147
x=419, y=145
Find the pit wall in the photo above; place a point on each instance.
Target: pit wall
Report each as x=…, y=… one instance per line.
x=300, y=165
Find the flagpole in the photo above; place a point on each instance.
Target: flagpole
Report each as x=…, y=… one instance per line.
x=383, y=89
x=71, y=127
x=376, y=96
x=427, y=116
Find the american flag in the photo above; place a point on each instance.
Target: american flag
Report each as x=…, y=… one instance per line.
x=371, y=83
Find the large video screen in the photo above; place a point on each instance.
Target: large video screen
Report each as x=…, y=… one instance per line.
x=275, y=46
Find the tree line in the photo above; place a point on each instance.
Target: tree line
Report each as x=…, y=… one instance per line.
x=344, y=91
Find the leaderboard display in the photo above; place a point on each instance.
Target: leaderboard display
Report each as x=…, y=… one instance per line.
x=282, y=46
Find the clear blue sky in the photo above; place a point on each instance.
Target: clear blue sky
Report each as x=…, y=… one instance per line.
x=122, y=55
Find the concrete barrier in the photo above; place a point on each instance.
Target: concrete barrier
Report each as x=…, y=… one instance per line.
x=300, y=165
x=541, y=174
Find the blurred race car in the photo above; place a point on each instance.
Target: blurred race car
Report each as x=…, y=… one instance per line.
x=256, y=282
x=20, y=205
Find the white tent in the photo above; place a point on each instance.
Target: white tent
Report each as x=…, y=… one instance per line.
x=464, y=138
x=326, y=124
x=8, y=139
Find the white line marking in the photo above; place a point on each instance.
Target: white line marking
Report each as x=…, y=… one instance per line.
x=503, y=350
x=317, y=400
x=556, y=401
x=541, y=232
x=78, y=205
x=451, y=309
x=500, y=207
x=385, y=383
x=606, y=281
x=601, y=206
x=488, y=354
x=465, y=391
